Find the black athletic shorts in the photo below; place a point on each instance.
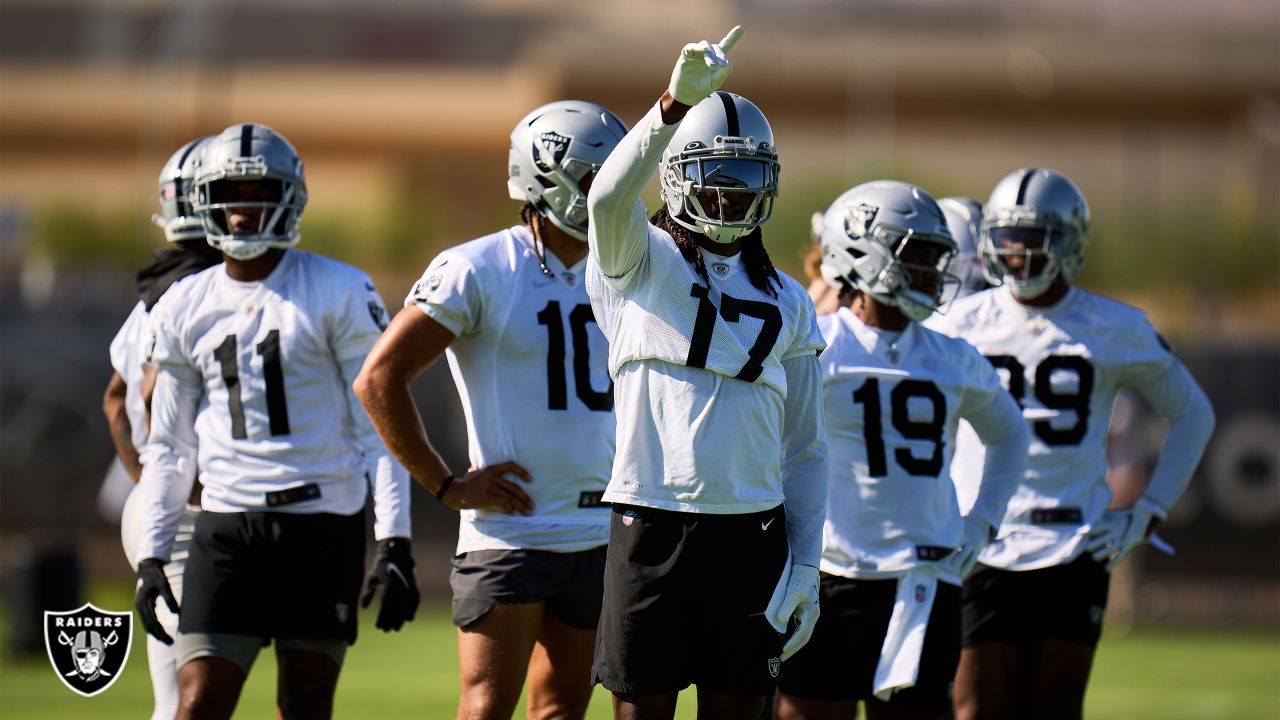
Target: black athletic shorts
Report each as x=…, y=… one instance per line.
x=571, y=584
x=1064, y=602
x=684, y=602
x=274, y=575
x=839, y=661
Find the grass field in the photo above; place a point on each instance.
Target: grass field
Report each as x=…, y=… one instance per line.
x=1148, y=673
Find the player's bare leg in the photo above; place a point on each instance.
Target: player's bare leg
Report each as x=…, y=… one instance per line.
x=661, y=706
x=798, y=708
x=209, y=689
x=560, y=689
x=1060, y=677
x=987, y=681
x=493, y=656
x=305, y=684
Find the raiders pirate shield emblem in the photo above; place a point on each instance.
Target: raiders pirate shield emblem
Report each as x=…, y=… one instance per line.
x=88, y=646
x=549, y=150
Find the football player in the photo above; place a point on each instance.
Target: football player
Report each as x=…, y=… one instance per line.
x=713, y=354
x=124, y=403
x=964, y=220
x=895, y=545
x=825, y=297
x=511, y=311
x=1033, y=608
x=255, y=361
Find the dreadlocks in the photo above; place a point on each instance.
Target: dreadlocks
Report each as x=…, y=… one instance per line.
x=755, y=259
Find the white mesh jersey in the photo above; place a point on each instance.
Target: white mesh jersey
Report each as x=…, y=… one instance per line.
x=529, y=363
x=677, y=422
x=890, y=407
x=1064, y=365
x=266, y=370
x=128, y=351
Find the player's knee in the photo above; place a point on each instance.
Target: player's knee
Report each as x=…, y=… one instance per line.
x=483, y=700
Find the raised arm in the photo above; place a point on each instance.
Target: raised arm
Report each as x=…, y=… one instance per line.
x=619, y=224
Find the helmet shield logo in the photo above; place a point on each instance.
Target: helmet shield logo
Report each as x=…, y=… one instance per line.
x=88, y=647
x=549, y=150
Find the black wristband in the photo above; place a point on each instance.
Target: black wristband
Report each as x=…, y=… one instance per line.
x=444, y=487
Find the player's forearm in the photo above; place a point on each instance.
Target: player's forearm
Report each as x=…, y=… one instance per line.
x=1006, y=436
x=168, y=464
x=619, y=225
x=389, y=481
x=113, y=407
x=1191, y=421
x=391, y=409
x=804, y=459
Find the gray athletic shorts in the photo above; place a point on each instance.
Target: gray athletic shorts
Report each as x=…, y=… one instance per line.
x=243, y=649
x=571, y=584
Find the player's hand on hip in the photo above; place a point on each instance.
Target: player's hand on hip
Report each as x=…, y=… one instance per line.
x=153, y=584
x=702, y=68
x=393, y=572
x=488, y=488
x=1121, y=531
x=800, y=603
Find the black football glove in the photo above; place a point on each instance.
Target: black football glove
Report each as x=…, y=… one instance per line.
x=152, y=584
x=393, y=572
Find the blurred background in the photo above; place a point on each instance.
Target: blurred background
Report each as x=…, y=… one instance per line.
x=1165, y=112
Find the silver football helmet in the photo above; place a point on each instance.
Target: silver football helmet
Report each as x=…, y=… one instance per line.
x=553, y=149
x=964, y=219
x=721, y=162
x=1034, y=229
x=177, y=179
x=890, y=240
x=242, y=153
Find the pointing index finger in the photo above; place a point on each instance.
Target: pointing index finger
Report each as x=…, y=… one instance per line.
x=731, y=39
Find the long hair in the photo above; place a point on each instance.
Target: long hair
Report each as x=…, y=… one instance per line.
x=755, y=259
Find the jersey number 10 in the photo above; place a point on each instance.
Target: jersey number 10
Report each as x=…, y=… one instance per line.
x=557, y=392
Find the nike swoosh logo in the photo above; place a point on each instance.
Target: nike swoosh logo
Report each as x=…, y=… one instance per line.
x=765, y=525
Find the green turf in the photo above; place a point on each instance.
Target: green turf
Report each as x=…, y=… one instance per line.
x=1150, y=673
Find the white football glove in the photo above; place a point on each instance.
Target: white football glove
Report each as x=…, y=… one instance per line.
x=799, y=602
x=1121, y=531
x=702, y=69
x=976, y=536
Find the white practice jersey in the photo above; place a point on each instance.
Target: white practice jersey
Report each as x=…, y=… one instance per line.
x=700, y=379
x=128, y=351
x=1064, y=365
x=529, y=363
x=264, y=370
x=890, y=406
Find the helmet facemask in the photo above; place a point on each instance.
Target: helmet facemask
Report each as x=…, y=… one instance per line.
x=1027, y=257
x=724, y=191
x=273, y=207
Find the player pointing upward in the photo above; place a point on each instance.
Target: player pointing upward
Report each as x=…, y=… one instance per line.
x=714, y=357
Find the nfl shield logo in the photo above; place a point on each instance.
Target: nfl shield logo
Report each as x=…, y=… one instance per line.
x=720, y=269
x=920, y=593
x=628, y=517
x=88, y=647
